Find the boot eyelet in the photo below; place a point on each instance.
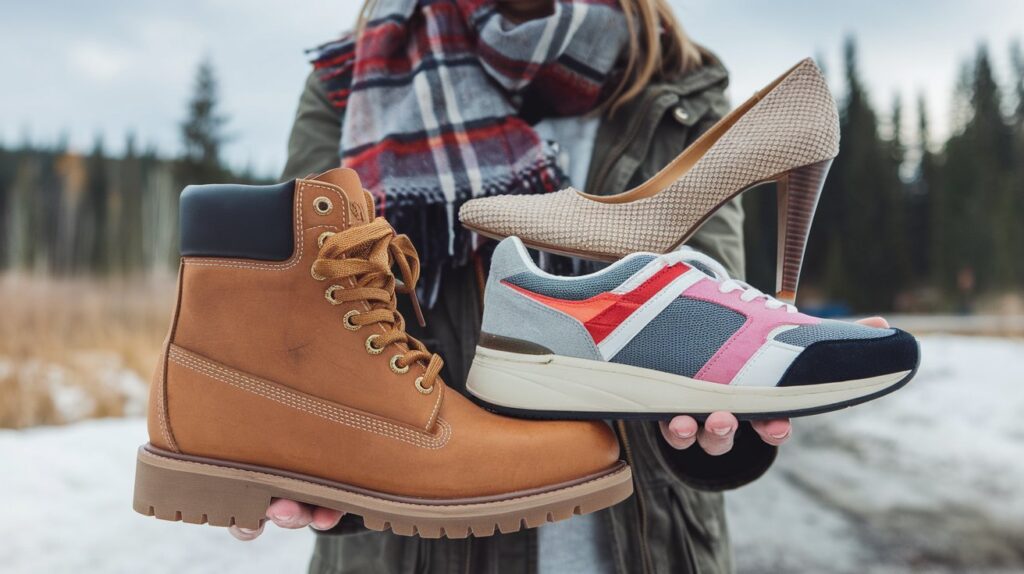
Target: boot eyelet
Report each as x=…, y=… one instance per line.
x=315, y=275
x=322, y=205
x=347, y=321
x=323, y=237
x=421, y=388
x=370, y=347
x=394, y=365
x=329, y=294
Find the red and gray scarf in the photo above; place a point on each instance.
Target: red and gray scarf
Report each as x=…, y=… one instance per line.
x=436, y=98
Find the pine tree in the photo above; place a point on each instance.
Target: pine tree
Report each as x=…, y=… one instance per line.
x=202, y=131
x=7, y=163
x=1017, y=177
x=1017, y=62
x=897, y=150
x=992, y=141
x=978, y=207
x=859, y=236
x=130, y=184
x=923, y=200
x=92, y=242
x=895, y=201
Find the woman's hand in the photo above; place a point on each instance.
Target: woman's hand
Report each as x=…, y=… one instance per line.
x=719, y=429
x=291, y=514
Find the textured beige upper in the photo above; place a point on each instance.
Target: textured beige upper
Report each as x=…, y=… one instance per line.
x=793, y=125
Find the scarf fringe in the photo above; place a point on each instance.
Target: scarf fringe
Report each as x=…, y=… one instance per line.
x=431, y=222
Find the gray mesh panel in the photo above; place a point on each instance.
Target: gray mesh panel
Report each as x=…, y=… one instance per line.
x=682, y=338
x=829, y=330
x=702, y=267
x=579, y=288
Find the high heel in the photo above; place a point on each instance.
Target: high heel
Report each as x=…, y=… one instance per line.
x=798, y=192
x=787, y=133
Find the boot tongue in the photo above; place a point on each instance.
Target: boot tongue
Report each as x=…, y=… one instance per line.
x=360, y=202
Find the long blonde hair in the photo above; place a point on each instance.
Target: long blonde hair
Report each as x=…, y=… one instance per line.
x=658, y=48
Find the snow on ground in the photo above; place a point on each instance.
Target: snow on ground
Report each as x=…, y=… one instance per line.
x=930, y=478
x=69, y=509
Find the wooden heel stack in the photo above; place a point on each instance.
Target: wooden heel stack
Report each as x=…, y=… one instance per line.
x=798, y=192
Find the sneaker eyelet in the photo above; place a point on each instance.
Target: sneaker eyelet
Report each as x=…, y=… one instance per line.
x=394, y=365
x=323, y=237
x=329, y=294
x=370, y=347
x=347, y=321
x=322, y=205
x=421, y=388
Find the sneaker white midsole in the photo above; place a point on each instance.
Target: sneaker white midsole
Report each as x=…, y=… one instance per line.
x=560, y=383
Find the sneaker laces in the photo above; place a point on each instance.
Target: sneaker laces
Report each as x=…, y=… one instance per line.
x=364, y=256
x=726, y=284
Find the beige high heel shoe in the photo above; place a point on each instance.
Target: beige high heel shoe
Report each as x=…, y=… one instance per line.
x=787, y=133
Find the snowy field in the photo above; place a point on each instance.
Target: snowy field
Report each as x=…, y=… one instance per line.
x=928, y=479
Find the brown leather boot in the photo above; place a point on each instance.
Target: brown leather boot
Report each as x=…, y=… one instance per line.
x=287, y=373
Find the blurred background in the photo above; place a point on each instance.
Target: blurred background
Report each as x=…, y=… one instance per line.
x=107, y=112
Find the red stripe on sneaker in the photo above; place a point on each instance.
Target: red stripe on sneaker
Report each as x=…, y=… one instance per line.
x=582, y=310
x=607, y=321
x=603, y=313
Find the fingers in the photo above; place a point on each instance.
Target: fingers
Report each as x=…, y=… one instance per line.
x=680, y=432
x=774, y=432
x=718, y=433
x=877, y=322
x=245, y=534
x=325, y=518
x=289, y=514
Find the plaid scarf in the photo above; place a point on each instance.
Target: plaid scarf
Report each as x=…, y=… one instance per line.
x=433, y=94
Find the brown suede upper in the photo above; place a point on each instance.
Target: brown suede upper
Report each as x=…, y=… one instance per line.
x=259, y=369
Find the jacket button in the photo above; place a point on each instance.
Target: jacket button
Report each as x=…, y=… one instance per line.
x=680, y=115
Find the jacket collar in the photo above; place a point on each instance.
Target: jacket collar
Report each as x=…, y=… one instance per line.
x=700, y=79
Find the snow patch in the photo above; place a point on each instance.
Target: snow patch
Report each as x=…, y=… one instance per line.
x=72, y=512
x=930, y=477
x=927, y=479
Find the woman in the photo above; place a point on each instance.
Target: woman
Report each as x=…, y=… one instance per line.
x=614, y=93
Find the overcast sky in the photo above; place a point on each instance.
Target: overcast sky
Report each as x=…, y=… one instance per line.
x=76, y=68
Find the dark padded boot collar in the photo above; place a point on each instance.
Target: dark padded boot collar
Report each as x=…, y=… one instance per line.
x=238, y=221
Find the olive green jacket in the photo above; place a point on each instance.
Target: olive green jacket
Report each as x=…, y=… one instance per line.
x=676, y=520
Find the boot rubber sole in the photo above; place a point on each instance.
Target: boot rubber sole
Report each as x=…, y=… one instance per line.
x=203, y=491
x=556, y=386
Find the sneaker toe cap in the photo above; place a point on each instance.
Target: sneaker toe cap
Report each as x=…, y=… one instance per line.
x=831, y=361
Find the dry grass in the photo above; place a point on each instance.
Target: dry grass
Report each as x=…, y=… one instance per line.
x=88, y=338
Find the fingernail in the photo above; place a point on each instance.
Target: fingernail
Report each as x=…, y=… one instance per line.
x=248, y=530
x=722, y=431
x=282, y=519
x=779, y=435
x=684, y=434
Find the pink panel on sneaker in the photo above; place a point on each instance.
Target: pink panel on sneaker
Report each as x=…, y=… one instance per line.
x=761, y=321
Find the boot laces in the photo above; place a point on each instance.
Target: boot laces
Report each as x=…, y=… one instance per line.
x=359, y=261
